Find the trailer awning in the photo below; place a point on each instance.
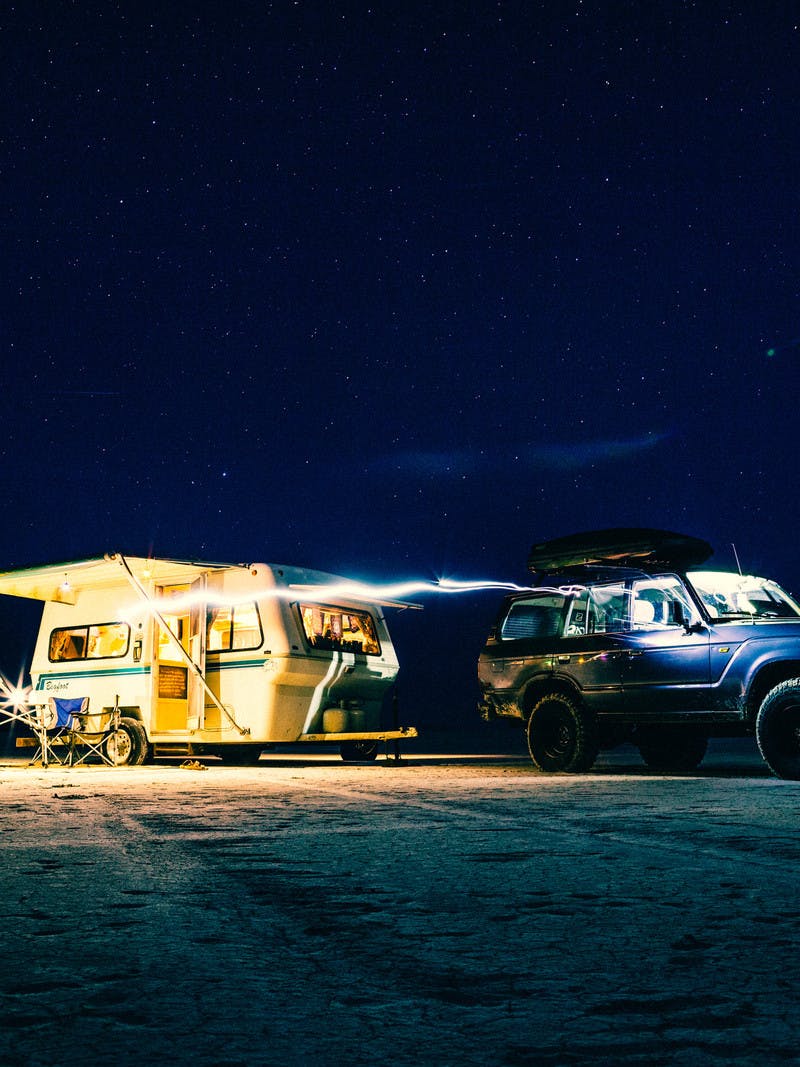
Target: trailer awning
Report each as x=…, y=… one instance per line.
x=63, y=582
x=345, y=593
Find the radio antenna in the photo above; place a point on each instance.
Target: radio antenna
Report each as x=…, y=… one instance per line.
x=736, y=557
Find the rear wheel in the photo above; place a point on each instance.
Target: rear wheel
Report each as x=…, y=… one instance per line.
x=778, y=729
x=671, y=748
x=562, y=735
x=127, y=746
x=358, y=751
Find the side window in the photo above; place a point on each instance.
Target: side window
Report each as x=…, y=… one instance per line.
x=659, y=603
x=339, y=629
x=234, y=626
x=247, y=627
x=67, y=644
x=105, y=640
x=607, y=609
x=218, y=632
x=538, y=616
x=580, y=620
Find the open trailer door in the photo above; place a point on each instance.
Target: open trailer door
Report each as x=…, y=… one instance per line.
x=179, y=658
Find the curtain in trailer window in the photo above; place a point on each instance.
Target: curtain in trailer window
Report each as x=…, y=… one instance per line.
x=233, y=627
x=99, y=641
x=339, y=629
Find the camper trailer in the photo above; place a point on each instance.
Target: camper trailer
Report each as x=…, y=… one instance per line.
x=205, y=658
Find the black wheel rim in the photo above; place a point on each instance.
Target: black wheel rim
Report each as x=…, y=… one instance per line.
x=786, y=730
x=552, y=737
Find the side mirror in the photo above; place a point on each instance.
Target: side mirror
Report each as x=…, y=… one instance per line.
x=682, y=619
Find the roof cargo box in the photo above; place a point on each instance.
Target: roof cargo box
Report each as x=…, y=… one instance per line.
x=621, y=547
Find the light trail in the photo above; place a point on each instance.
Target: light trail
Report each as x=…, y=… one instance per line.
x=16, y=697
x=388, y=594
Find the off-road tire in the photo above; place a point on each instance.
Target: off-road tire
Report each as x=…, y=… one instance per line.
x=671, y=748
x=562, y=735
x=778, y=729
x=127, y=746
x=358, y=751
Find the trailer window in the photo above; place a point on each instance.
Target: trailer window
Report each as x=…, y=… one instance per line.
x=104, y=640
x=339, y=629
x=233, y=627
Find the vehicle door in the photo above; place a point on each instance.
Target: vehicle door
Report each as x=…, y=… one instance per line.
x=590, y=652
x=666, y=664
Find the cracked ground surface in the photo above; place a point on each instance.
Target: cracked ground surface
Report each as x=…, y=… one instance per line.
x=447, y=910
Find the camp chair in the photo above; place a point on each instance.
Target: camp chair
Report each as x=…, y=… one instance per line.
x=89, y=731
x=52, y=724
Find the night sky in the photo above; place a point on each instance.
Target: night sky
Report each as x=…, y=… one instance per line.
x=395, y=291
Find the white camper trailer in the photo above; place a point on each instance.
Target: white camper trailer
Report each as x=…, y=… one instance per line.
x=212, y=658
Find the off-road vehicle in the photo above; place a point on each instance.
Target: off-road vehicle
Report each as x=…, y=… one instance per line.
x=623, y=636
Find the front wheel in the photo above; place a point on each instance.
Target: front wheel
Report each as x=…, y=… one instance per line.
x=671, y=748
x=562, y=736
x=127, y=745
x=358, y=751
x=778, y=729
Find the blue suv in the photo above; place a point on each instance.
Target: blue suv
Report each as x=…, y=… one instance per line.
x=624, y=635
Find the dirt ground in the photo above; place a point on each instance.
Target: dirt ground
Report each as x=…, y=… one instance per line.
x=449, y=909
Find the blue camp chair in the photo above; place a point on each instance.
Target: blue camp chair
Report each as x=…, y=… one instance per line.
x=53, y=724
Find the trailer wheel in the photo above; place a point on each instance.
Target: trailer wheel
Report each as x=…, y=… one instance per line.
x=358, y=751
x=127, y=746
x=241, y=755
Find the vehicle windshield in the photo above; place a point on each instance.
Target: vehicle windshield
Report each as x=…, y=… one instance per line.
x=735, y=595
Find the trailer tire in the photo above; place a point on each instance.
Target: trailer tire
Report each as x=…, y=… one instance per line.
x=241, y=755
x=358, y=751
x=127, y=746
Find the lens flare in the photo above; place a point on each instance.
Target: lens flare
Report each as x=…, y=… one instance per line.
x=15, y=697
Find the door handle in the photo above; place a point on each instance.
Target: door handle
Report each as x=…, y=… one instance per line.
x=634, y=652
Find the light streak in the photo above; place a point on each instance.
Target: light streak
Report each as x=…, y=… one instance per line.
x=388, y=594
x=391, y=594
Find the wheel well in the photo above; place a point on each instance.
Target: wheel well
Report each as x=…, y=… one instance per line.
x=537, y=688
x=767, y=678
x=131, y=713
x=135, y=713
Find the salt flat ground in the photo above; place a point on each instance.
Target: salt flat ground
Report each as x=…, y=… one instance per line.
x=449, y=909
